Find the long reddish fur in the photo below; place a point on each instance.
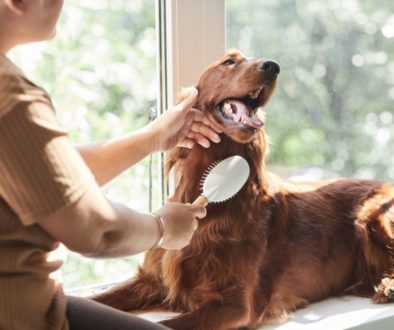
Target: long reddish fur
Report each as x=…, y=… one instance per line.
x=273, y=248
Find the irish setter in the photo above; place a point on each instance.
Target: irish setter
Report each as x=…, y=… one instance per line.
x=276, y=246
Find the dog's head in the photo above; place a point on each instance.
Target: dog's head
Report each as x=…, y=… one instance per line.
x=232, y=89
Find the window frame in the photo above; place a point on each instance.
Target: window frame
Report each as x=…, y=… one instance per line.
x=190, y=35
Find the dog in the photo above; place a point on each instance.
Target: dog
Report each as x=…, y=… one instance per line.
x=276, y=246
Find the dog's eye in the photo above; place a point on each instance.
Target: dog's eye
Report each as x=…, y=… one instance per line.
x=228, y=62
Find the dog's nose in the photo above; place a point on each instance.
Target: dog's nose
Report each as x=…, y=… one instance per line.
x=270, y=67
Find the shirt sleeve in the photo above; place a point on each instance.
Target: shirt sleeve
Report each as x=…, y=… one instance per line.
x=40, y=171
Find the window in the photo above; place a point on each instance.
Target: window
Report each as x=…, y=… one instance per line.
x=101, y=73
x=332, y=114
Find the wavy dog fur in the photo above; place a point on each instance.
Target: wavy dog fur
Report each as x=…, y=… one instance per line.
x=273, y=248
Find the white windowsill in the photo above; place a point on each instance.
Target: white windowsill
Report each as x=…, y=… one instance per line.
x=331, y=314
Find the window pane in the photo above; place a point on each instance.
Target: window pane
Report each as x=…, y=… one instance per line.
x=332, y=113
x=101, y=73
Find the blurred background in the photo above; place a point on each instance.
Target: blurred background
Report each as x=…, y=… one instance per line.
x=332, y=114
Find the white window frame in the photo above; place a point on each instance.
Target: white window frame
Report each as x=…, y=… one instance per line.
x=195, y=37
x=190, y=34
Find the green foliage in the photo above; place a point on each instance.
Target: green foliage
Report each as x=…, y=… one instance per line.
x=334, y=105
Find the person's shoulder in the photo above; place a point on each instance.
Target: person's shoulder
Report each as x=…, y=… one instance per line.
x=10, y=75
x=15, y=88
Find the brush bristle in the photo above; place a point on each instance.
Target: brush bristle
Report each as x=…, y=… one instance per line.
x=230, y=173
x=224, y=200
x=207, y=171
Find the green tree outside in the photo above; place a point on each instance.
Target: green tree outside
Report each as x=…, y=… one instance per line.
x=333, y=110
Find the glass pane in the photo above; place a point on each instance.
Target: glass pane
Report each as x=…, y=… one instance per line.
x=332, y=114
x=101, y=73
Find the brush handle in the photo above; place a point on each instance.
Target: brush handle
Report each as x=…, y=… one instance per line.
x=201, y=200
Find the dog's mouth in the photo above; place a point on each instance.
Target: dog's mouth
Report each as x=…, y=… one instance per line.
x=242, y=111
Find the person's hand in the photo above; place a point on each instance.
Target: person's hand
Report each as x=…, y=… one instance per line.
x=179, y=222
x=184, y=126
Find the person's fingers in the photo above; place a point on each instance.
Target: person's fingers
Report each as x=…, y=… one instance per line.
x=200, y=139
x=189, y=101
x=199, y=116
x=198, y=210
x=213, y=124
x=195, y=224
x=187, y=143
x=206, y=131
x=188, y=123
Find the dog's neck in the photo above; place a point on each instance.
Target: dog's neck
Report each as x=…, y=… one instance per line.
x=190, y=165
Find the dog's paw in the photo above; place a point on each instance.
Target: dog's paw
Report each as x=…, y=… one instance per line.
x=384, y=292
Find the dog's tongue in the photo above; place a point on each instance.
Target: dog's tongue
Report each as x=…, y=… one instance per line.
x=242, y=115
x=252, y=121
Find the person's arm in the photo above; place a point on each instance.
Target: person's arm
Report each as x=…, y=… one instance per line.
x=106, y=160
x=179, y=126
x=96, y=227
x=45, y=182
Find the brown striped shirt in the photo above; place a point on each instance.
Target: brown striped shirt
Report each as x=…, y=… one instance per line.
x=40, y=172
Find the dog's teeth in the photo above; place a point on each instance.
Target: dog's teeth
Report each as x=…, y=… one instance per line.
x=227, y=109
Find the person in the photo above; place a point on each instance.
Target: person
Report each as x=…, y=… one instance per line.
x=50, y=190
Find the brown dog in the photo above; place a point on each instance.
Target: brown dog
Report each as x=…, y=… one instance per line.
x=274, y=247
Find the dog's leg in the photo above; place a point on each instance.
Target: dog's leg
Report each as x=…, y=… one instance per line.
x=142, y=292
x=214, y=315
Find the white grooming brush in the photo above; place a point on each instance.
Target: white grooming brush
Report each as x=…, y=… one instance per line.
x=222, y=180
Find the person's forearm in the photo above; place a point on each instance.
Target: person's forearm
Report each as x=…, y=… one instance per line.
x=108, y=159
x=133, y=233
x=96, y=227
